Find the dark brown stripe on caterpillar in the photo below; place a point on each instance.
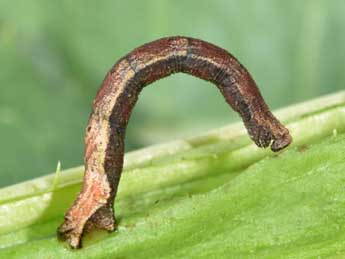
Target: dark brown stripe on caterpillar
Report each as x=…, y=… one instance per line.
x=115, y=101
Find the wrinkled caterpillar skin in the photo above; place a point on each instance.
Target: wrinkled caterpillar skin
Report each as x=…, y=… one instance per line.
x=114, y=103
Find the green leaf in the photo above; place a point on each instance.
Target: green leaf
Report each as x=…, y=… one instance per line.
x=212, y=196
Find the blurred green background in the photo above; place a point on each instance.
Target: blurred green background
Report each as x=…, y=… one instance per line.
x=54, y=55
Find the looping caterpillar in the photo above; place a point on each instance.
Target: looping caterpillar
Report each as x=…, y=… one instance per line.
x=112, y=107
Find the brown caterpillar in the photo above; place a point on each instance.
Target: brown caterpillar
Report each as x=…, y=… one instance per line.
x=114, y=103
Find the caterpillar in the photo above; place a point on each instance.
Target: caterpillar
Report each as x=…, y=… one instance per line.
x=116, y=98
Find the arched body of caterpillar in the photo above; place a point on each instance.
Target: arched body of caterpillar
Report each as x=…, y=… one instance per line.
x=114, y=103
